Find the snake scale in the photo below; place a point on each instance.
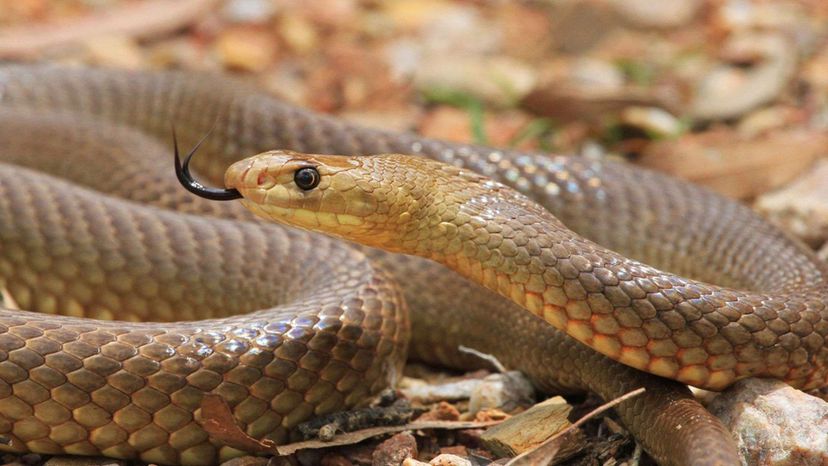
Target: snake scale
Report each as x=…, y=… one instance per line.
x=285, y=324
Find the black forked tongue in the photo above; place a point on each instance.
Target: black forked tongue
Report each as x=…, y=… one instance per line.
x=182, y=172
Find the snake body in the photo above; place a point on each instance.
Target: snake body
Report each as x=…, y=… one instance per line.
x=338, y=333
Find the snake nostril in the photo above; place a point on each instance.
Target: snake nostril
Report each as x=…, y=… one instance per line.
x=264, y=180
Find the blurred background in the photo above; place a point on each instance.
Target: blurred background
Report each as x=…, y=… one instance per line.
x=732, y=94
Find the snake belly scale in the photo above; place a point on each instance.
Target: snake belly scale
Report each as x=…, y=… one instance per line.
x=331, y=327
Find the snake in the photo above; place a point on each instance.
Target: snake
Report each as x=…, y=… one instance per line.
x=129, y=299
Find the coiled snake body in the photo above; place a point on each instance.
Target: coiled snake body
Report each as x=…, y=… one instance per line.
x=331, y=328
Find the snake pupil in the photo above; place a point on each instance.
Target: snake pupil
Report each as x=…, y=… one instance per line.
x=306, y=178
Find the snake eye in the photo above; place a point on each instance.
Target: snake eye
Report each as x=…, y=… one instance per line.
x=306, y=178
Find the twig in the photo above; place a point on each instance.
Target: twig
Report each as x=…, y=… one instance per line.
x=484, y=356
x=547, y=450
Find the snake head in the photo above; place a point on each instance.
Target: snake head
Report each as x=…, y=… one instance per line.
x=348, y=197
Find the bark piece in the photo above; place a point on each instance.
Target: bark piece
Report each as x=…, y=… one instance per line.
x=530, y=428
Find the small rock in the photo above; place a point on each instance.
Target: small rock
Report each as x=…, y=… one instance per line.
x=246, y=48
x=413, y=462
x=654, y=121
x=765, y=120
x=775, y=424
x=595, y=73
x=115, y=51
x=441, y=412
x=802, y=206
x=506, y=391
x=299, y=33
x=458, y=450
x=499, y=80
x=730, y=91
x=412, y=14
x=249, y=11
x=394, y=450
x=662, y=14
x=449, y=460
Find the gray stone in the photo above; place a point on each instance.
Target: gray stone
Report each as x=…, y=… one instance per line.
x=774, y=424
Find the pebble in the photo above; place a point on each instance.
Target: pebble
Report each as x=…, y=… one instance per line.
x=298, y=33
x=662, y=14
x=498, y=80
x=731, y=91
x=246, y=48
x=249, y=11
x=395, y=450
x=801, y=207
x=774, y=424
x=116, y=51
x=656, y=122
x=449, y=460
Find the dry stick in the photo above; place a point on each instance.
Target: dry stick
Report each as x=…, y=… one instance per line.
x=525, y=457
x=145, y=19
x=484, y=356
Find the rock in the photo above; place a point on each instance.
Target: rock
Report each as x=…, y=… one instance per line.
x=823, y=253
x=118, y=51
x=592, y=72
x=458, y=450
x=775, y=424
x=767, y=119
x=730, y=91
x=394, y=450
x=734, y=165
x=498, y=80
x=443, y=411
x=248, y=11
x=662, y=14
x=801, y=207
x=578, y=26
x=413, y=462
x=506, y=391
x=246, y=48
x=654, y=121
x=413, y=14
x=449, y=460
x=298, y=33
x=531, y=428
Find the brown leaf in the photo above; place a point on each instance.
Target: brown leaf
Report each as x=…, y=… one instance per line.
x=217, y=419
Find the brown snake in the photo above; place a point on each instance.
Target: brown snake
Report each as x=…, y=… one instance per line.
x=339, y=331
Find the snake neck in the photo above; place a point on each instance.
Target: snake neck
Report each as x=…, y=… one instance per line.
x=693, y=332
